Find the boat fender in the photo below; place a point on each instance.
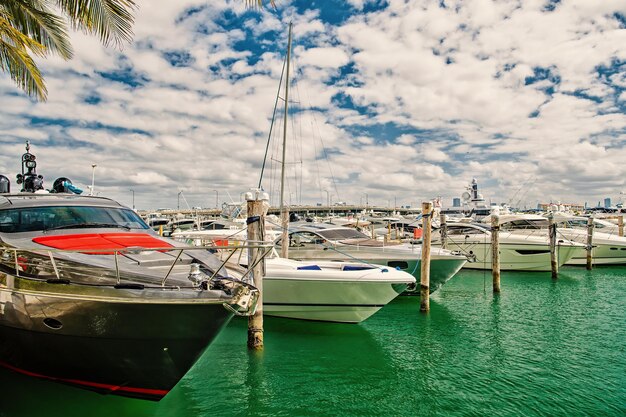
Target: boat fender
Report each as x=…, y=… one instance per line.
x=129, y=286
x=384, y=270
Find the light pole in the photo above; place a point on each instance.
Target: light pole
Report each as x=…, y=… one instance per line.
x=133, y=191
x=367, y=201
x=179, y=193
x=93, y=177
x=217, y=199
x=327, y=198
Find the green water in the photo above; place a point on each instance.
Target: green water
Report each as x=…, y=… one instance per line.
x=543, y=347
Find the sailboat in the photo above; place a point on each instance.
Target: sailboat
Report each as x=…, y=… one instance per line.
x=345, y=292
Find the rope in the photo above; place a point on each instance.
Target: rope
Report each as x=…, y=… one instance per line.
x=269, y=136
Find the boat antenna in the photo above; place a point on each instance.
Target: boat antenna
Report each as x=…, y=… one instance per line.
x=29, y=179
x=283, y=211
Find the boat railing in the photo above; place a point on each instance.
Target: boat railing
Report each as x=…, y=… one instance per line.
x=21, y=261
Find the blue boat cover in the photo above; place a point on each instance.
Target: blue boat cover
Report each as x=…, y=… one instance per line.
x=310, y=267
x=356, y=267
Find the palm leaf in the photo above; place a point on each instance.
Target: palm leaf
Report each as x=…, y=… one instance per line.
x=111, y=20
x=35, y=20
x=15, y=60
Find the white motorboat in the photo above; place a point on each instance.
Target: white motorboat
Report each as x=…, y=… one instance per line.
x=518, y=251
x=345, y=292
x=312, y=241
x=608, y=248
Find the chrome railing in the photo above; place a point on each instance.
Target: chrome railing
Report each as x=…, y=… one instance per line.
x=20, y=260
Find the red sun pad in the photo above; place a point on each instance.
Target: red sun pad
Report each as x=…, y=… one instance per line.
x=113, y=241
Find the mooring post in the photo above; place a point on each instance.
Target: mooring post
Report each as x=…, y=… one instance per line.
x=620, y=225
x=495, y=252
x=427, y=208
x=255, y=221
x=553, y=246
x=589, y=243
x=443, y=230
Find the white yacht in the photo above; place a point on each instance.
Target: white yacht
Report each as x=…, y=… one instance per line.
x=608, y=248
x=345, y=292
x=518, y=251
x=311, y=241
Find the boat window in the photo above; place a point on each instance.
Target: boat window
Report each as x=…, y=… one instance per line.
x=463, y=231
x=524, y=224
x=33, y=219
x=577, y=222
x=299, y=239
x=342, y=234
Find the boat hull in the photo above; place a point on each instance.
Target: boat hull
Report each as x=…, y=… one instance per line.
x=132, y=348
x=518, y=257
x=327, y=300
x=442, y=267
x=441, y=270
x=601, y=255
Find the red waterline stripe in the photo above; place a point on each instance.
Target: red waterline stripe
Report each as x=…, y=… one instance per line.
x=146, y=391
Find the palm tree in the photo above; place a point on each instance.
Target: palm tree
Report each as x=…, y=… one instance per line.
x=33, y=27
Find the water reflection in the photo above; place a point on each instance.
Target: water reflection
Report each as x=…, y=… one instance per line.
x=300, y=360
x=541, y=347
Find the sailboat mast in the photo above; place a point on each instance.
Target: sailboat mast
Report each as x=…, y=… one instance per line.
x=283, y=210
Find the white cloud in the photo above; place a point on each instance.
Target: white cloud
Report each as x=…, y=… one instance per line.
x=450, y=86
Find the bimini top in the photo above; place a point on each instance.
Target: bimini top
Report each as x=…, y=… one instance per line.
x=19, y=200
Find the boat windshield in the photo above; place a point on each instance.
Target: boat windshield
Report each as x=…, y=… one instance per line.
x=525, y=224
x=342, y=234
x=36, y=219
x=602, y=224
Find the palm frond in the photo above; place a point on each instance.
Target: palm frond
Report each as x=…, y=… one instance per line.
x=111, y=20
x=35, y=20
x=14, y=37
x=22, y=69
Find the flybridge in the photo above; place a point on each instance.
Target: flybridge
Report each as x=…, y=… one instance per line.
x=32, y=182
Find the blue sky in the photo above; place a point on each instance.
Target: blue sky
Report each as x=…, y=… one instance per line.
x=393, y=101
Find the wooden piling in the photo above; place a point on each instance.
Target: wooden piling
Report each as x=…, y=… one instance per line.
x=495, y=252
x=589, y=243
x=284, y=241
x=443, y=230
x=256, y=215
x=553, y=247
x=427, y=209
x=620, y=225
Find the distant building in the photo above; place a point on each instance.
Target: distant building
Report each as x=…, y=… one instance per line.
x=456, y=202
x=607, y=202
x=563, y=206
